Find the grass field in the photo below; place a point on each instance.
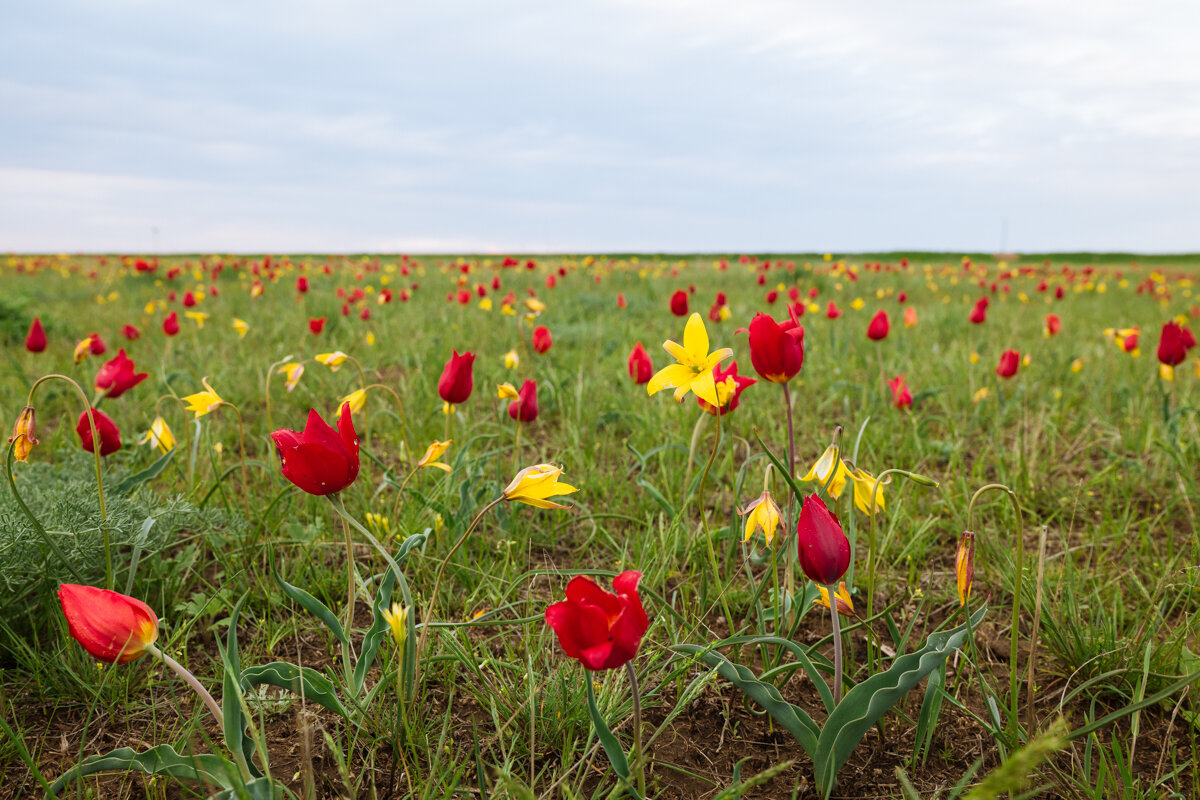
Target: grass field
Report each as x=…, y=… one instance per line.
x=1092, y=520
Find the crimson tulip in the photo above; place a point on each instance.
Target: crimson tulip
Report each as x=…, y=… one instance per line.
x=901, y=396
x=729, y=387
x=457, y=380
x=106, y=429
x=1172, y=345
x=171, y=324
x=1053, y=324
x=316, y=325
x=97, y=346
x=35, y=342
x=117, y=376
x=131, y=333
x=301, y=284
x=600, y=629
x=879, y=327
x=832, y=311
x=823, y=547
x=541, y=339
x=189, y=300
x=679, y=303
x=641, y=368
x=1010, y=360
x=112, y=627
x=979, y=313
x=320, y=460
x=776, y=350
x=525, y=407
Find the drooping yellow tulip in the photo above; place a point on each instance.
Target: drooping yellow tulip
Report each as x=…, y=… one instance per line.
x=202, y=403
x=844, y=603
x=434, y=452
x=964, y=566
x=357, y=400
x=241, y=326
x=694, y=370
x=864, y=488
x=24, y=434
x=534, y=485
x=159, y=436
x=511, y=359
x=506, y=391
x=762, y=514
x=83, y=349
x=829, y=463
x=291, y=373
x=332, y=360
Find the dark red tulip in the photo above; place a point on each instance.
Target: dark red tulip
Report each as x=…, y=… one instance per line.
x=106, y=429
x=978, y=314
x=1010, y=360
x=901, y=396
x=525, y=407
x=117, y=376
x=320, y=460
x=189, y=300
x=316, y=325
x=776, y=350
x=729, y=387
x=131, y=333
x=1172, y=346
x=97, y=347
x=541, y=339
x=641, y=368
x=171, y=324
x=301, y=284
x=679, y=303
x=35, y=342
x=879, y=327
x=600, y=629
x=1130, y=342
x=457, y=379
x=832, y=311
x=823, y=547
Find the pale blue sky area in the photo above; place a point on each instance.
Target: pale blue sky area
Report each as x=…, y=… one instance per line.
x=597, y=125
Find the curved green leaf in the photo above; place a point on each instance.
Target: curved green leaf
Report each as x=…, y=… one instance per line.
x=863, y=705
x=793, y=718
x=131, y=482
x=301, y=681
x=313, y=606
x=260, y=789
x=377, y=632
x=161, y=760
x=612, y=747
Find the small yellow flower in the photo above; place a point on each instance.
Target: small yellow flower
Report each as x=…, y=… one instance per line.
x=964, y=566
x=857, y=304
x=380, y=525
x=197, y=316
x=864, y=488
x=511, y=360
x=148, y=309
x=724, y=313
x=357, y=399
x=241, y=326
x=824, y=467
x=1077, y=365
x=485, y=304
x=844, y=603
x=507, y=310
x=974, y=358
x=694, y=370
x=533, y=485
x=979, y=395
x=332, y=360
x=397, y=620
x=159, y=436
x=203, y=402
x=1166, y=372
x=438, y=523
x=370, y=339
x=291, y=373
x=434, y=452
x=82, y=349
x=506, y=391
x=24, y=428
x=762, y=514
x=534, y=306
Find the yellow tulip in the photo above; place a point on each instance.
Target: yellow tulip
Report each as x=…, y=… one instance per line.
x=511, y=360
x=824, y=467
x=506, y=391
x=762, y=514
x=203, y=402
x=332, y=360
x=82, y=349
x=964, y=566
x=694, y=370
x=241, y=326
x=844, y=603
x=533, y=485
x=434, y=452
x=159, y=436
x=291, y=373
x=357, y=399
x=197, y=316
x=397, y=619
x=864, y=488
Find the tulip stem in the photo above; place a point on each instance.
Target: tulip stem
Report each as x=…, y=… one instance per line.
x=349, y=578
x=789, y=525
x=517, y=449
x=708, y=538
x=638, y=763
x=267, y=388
x=400, y=403
x=837, y=644
x=191, y=681
x=108, y=571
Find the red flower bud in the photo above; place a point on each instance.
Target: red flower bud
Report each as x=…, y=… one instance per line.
x=901, y=396
x=879, y=327
x=824, y=550
x=679, y=303
x=776, y=351
x=106, y=429
x=171, y=324
x=457, y=379
x=600, y=629
x=641, y=368
x=316, y=325
x=525, y=407
x=541, y=339
x=1172, y=345
x=35, y=342
x=112, y=627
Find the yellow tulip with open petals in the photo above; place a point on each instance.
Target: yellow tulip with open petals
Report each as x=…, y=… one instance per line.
x=434, y=452
x=864, y=488
x=694, y=370
x=533, y=485
x=159, y=436
x=203, y=402
x=762, y=514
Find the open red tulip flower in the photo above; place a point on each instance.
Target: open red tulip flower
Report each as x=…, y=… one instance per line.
x=641, y=368
x=457, y=379
x=729, y=386
x=117, y=376
x=320, y=460
x=600, y=629
x=776, y=349
x=879, y=327
x=106, y=429
x=823, y=547
x=541, y=339
x=112, y=627
x=525, y=407
x=1010, y=361
x=35, y=342
x=316, y=325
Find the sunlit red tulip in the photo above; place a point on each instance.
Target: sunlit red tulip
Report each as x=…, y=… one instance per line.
x=171, y=324
x=729, y=389
x=878, y=329
x=823, y=547
x=112, y=627
x=35, y=342
x=189, y=300
x=457, y=379
x=320, y=460
x=1172, y=345
x=679, y=303
x=602, y=630
x=117, y=376
x=641, y=368
x=776, y=350
x=301, y=284
x=1010, y=360
x=541, y=339
x=901, y=396
x=525, y=407
x=106, y=429
x=978, y=313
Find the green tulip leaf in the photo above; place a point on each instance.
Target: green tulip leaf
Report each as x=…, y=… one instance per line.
x=260, y=789
x=301, y=681
x=131, y=482
x=379, y=626
x=161, y=760
x=313, y=606
x=612, y=747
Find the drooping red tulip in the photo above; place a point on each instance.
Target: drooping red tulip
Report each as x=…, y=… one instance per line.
x=602, y=630
x=525, y=407
x=641, y=368
x=320, y=460
x=901, y=396
x=171, y=324
x=457, y=379
x=541, y=339
x=35, y=342
x=730, y=386
x=111, y=627
x=880, y=325
x=117, y=376
x=823, y=547
x=316, y=325
x=106, y=429
x=679, y=303
x=1172, y=345
x=776, y=349
x=1010, y=361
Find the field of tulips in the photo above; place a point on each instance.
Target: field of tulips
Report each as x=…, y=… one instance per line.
x=572, y=527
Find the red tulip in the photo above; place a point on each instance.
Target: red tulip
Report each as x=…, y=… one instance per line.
x=1130, y=342
x=301, y=284
x=97, y=347
x=112, y=627
x=1172, y=346
x=1053, y=324
x=189, y=299
x=110, y=436
x=131, y=333
x=117, y=376
x=1010, y=360
x=541, y=339
x=35, y=342
x=600, y=629
x=978, y=313
x=320, y=460
x=641, y=368
x=316, y=325
x=171, y=324
x=729, y=389
x=824, y=550
x=832, y=311
x=621, y=301
x=525, y=407
x=879, y=327
x=901, y=396
x=679, y=303
x=776, y=350
x=457, y=380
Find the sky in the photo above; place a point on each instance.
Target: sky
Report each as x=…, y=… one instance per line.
x=599, y=126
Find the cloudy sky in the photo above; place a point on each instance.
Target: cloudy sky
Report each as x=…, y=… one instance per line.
x=599, y=125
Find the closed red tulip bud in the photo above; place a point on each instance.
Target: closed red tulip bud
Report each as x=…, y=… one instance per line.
x=776, y=350
x=1172, y=346
x=35, y=342
x=171, y=324
x=365, y=314
x=117, y=376
x=1010, y=360
x=97, y=347
x=457, y=379
x=641, y=368
x=189, y=300
x=106, y=429
x=772, y=296
x=131, y=333
x=320, y=460
x=823, y=547
x=832, y=311
x=525, y=407
x=621, y=301
x=902, y=297
x=879, y=327
x=551, y=281
x=1058, y=293
x=301, y=284
x=316, y=325
x=602, y=630
x=978, y=314
x=345, y=309
x=1053, y=324
x=112, y=627
x=541, y=339
x=679, y=303
x=901, y=396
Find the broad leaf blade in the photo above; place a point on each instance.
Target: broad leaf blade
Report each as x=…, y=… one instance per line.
x=378, y=630
x=161, y=760
x=131, y=482
x=612, y=747
x=301, y=681
x=313, y=606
